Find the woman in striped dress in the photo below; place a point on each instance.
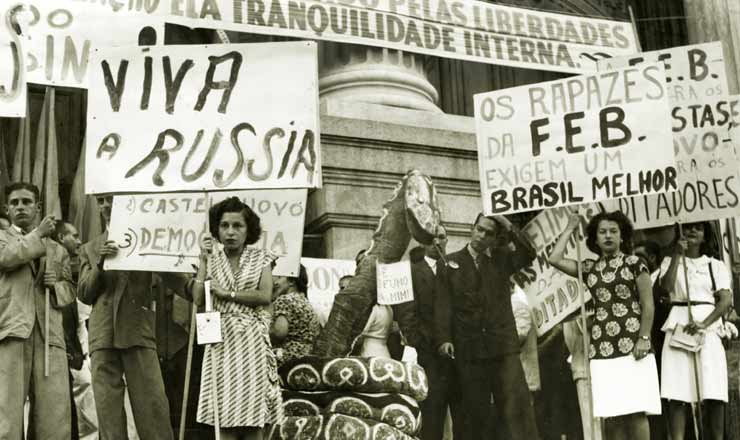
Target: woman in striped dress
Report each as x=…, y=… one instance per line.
x=247, y=392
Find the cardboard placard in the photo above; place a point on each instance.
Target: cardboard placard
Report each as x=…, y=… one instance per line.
x=194, y=118
x=161, y=232
x=323, y=282
x=471, y=30
x=394, y=283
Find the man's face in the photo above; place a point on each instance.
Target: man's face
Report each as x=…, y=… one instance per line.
x=483, y=235
x=22, y=208
x=105, y=203
x=71, y=240
x=438, y=245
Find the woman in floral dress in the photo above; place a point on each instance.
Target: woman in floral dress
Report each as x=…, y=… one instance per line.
x=624, y=376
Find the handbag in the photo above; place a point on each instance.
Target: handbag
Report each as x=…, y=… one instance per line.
x=684, y=341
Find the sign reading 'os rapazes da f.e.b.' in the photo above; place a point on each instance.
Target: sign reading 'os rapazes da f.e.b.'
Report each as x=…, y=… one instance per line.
x=162, y=232
x=582, y=139
x=703, y=115
x=179, y=118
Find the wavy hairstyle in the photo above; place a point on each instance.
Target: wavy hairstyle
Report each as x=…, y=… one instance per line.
x=625, y=231
x=233, y=204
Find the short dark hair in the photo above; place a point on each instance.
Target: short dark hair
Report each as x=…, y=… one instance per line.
x=625, y=230
x=301, y=281
x=651, y=247
x=15, y=186
x=233, y=204
x=61, y=228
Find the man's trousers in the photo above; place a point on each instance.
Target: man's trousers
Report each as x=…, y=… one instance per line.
x=21, y=375
x=145, y=387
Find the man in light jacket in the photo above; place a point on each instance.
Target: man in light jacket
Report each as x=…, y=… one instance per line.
x=30, y=263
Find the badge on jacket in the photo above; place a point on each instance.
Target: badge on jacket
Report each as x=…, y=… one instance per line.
x=453, y=265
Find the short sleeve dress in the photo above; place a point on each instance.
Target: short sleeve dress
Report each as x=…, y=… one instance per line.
x=247, y=384
x=677, y=380
x=620, y=384
x=303, y=326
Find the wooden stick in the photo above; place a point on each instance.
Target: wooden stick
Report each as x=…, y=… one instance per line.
x=214, y=392
x=188, y=367
x=46, y=332
x=696, y=411
x=634, y=29
x=584, y=330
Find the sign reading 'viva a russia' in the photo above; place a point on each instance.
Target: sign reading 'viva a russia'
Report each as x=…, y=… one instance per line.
x=582, y=139
x=179, y=118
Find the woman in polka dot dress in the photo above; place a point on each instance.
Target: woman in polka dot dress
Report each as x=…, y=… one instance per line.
x=624, y=376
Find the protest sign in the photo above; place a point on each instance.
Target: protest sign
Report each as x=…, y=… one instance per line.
x=394, y=283
x=12, y=59
x=581, y=139
x=323, y=282
x=707, y=167
x=551, y=294
x=179, y=118
x=59, y=36
x=466, y=30
x=161, y=232
x=706, y=162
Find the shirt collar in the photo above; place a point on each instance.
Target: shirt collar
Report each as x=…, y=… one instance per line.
x=432, y=263
x=17, y=229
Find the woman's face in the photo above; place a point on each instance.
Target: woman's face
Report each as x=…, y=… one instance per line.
x=280, y=285
x=694, y=233
x=608, y=237
x=232, y=231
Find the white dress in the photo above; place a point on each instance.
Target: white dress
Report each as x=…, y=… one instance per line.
x=375, y=334
x=677, y=378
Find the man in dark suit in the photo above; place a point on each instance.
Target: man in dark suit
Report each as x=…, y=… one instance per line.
x=416, y=320
x=475, y=326
x=122, y=341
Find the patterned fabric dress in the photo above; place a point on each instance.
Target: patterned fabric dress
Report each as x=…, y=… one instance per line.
x=247, y=386
x=620, y=384
x=303, y=326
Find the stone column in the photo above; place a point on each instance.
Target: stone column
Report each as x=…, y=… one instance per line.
x=714, y=20
x=375, y=75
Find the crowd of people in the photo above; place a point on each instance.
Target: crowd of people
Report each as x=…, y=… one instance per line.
x=78, y=347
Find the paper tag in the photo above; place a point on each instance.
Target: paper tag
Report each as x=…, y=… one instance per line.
x=410, y=354
x=208, y=327
x=394, y=283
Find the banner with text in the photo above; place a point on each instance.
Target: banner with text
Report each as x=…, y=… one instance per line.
x=191, y=118
x=706, y=160
x=12, y=59
x=552, y=295
x=161, y=232
x=59, y=36
x=394, y=283
x=323, y=282
x=467, y=30
x=581, y=139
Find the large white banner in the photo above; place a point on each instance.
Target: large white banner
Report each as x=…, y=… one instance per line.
x=161, y=232
x=59, y=36
x=577, y=140
x=323, y=282
x=12, y=59
x=551, y=294
x=466, y=30
x=706, y=159
x=189, y=118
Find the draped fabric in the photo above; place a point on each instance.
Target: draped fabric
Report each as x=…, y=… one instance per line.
x=83, y=209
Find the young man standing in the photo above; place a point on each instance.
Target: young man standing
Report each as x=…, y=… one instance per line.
x=31, y=263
